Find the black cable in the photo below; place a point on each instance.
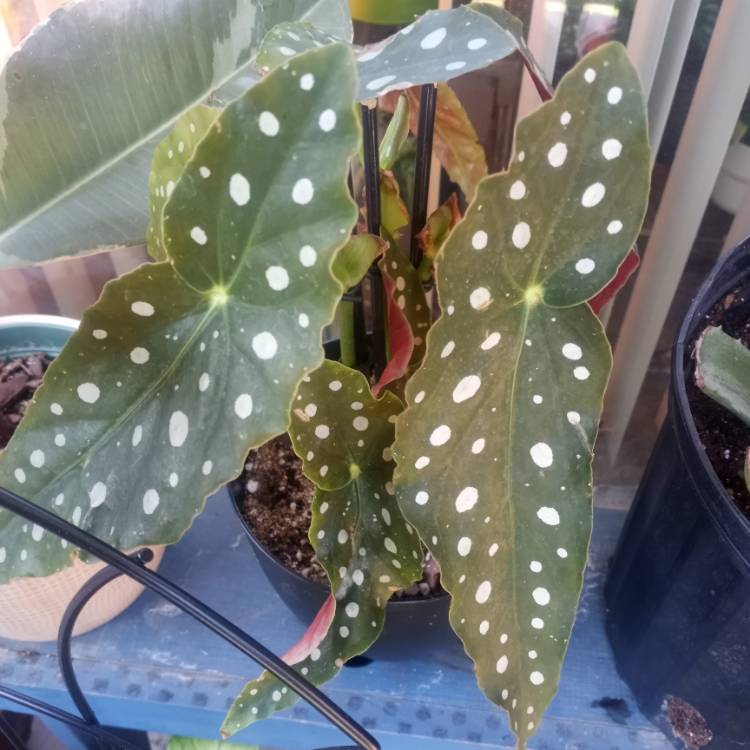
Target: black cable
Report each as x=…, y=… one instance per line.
x=193, y=607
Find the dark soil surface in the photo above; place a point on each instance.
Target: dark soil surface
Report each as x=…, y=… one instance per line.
x=277, y=507
x=725, y=438
x=278, y=499
x=687, y=723
x=19, y=379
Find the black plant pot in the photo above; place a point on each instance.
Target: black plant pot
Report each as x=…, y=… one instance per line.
x=413, y=624
x=678, y=593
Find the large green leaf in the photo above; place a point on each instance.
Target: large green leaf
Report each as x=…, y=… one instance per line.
x=440, y=45
x=183, y=365
x=494, y=451
x=343, y=436
x=89, y=93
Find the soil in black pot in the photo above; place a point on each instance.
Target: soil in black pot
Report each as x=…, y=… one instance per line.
x=277, y=506
x=19, y=379
x=725, y=438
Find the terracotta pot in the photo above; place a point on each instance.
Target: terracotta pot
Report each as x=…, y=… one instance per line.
x=31, y=608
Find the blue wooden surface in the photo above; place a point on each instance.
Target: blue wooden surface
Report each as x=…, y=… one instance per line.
x=154, y=669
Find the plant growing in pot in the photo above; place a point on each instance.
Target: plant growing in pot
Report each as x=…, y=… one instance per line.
x=476, y=440
x=678, y=590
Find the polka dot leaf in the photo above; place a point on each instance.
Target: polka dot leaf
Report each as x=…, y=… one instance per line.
x=438, y=46
x=494, y=449
x=91, y=91
x=170, y=158
x=185, y=364
x=343, y=435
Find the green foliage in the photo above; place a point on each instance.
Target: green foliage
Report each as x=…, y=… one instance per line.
x=90, y=92
x=142, y=403
x=722, y=371
x=438, y=46
x=355, y=258
x=343, y=436
x=494, y=450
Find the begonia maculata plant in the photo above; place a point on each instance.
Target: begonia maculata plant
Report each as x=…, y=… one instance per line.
x=473, y=442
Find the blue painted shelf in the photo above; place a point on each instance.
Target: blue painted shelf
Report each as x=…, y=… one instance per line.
x=154, y=669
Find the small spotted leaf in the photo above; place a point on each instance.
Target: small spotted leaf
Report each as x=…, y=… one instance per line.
x=90, y=93
x=438, y=46
x=722, y=371
x=170, y=158
x=343, y=436
x=184, y=365
x=494, y=450
x=409, y=317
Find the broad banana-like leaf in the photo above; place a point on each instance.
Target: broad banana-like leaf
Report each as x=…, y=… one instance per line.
x=494, y=450
x=456, y=143
x=722, y=371
x=438, y=46
x=184, y=365
x=170, y=158
x=343, y=436
x=88, y=95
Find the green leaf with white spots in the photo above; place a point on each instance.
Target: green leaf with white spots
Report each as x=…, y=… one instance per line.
x=182, y=366
x=288, y=39
x=343, y=436
x=494, y=450
x=190, y=743
x=90, y=93
x=355, y=258
x=440, y=45
x=170, y=159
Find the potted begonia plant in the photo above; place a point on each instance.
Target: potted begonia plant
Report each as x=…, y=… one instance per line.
x=478, y=444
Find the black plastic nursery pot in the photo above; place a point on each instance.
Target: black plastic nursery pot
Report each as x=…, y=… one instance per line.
x=410, y=623
x=678, y=593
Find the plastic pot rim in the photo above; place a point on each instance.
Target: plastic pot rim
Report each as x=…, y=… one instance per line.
x=235, y=490
x=724, y=511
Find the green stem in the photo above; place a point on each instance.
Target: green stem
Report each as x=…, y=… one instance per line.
x=345, y=319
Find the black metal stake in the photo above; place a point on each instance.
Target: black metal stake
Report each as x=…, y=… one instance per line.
x=425, y=133
x=188, y=604
x=372, y=198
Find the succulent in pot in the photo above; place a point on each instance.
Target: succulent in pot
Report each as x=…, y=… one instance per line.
x=473, y=438
x=722, y=372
